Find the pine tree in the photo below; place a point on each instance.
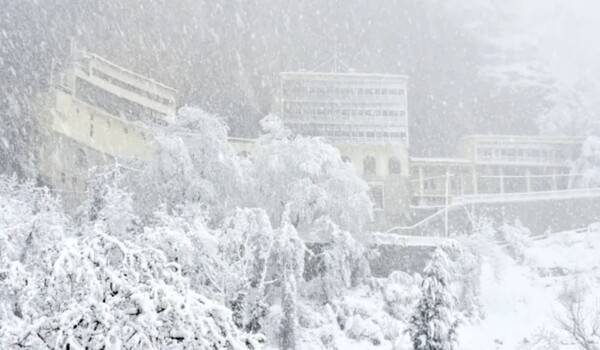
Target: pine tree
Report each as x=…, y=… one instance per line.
x=291, y=265
x=433, y=324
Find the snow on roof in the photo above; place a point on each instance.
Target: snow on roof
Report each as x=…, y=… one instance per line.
x=242, y=139
x=525, y=138
x=337, y=74
x=439, y=160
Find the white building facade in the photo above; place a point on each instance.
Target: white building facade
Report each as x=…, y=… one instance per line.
x=94, y=113
x=346, y=107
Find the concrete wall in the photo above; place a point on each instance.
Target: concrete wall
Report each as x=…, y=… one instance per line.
x=396, y=190
x=548, y=215
x=381, y=152
x=383, y=259
x=76, y=137
x=97, y=129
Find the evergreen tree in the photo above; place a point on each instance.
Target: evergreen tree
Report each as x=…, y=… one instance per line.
x=433, y=324
x=291, y=266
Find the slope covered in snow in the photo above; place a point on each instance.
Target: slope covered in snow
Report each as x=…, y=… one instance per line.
x=521, y=300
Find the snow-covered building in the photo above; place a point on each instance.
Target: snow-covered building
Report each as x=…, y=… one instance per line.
x=97, y=112
x=366, y=117
x=385, y=168
x=346, y=107
x=94, y=113
x=435, y=180
x=523, y=163
x=495, y=164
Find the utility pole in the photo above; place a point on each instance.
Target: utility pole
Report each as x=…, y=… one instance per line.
x=447, y=202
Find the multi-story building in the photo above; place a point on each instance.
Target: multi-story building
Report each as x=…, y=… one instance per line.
x=434, y=181
x=366, y=117
x=508, y=163
x=97, y=112
x=94, y=113
x=495, y=164
x=346, y=107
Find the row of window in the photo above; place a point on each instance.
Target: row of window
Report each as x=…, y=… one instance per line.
x=344, y=112
x=63, y=179
x=300, y=89
x=370, y=165
x=117, y=82
x=344, y=126
x=108, y=124
x=114, y=104
x=349, y=133
x=439, y=184
x=521, y=154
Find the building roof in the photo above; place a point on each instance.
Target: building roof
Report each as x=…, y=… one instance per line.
x=440, y=160
x=346, y=75
x=525, y=138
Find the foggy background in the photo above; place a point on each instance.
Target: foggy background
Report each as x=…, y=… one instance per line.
x=474, y=66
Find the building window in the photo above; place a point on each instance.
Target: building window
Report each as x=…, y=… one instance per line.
x=369, y=166
x=394, y=166
x=486, y=153
x=346, y=159
x=91, y=126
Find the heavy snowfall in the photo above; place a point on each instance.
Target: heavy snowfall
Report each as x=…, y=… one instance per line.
x=290, y=174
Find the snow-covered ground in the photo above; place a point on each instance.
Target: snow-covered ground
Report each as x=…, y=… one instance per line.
x=520, y=300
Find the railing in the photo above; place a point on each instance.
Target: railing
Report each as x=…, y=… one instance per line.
x=595, y=227
x=462, y=202
x=525, y=196
x=418, y=224
x=558, y=161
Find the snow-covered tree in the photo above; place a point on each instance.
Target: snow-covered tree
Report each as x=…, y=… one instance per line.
x=246, y=251
x=31, y=220
x=107, y=293
x=301, y=179
x=31, y=224
x=586, y=169
x=337, y=264
x=18, y=135
x=517, y=238
x=109, y=204
x=433, y=324
x=192, y=163
x=574, y=111
x=579, y=317
x=465, y=268
x=291, y=266
x=184, y=236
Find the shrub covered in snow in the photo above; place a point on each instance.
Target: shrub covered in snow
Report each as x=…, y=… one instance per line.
x=517, y=238
x=465, y=274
